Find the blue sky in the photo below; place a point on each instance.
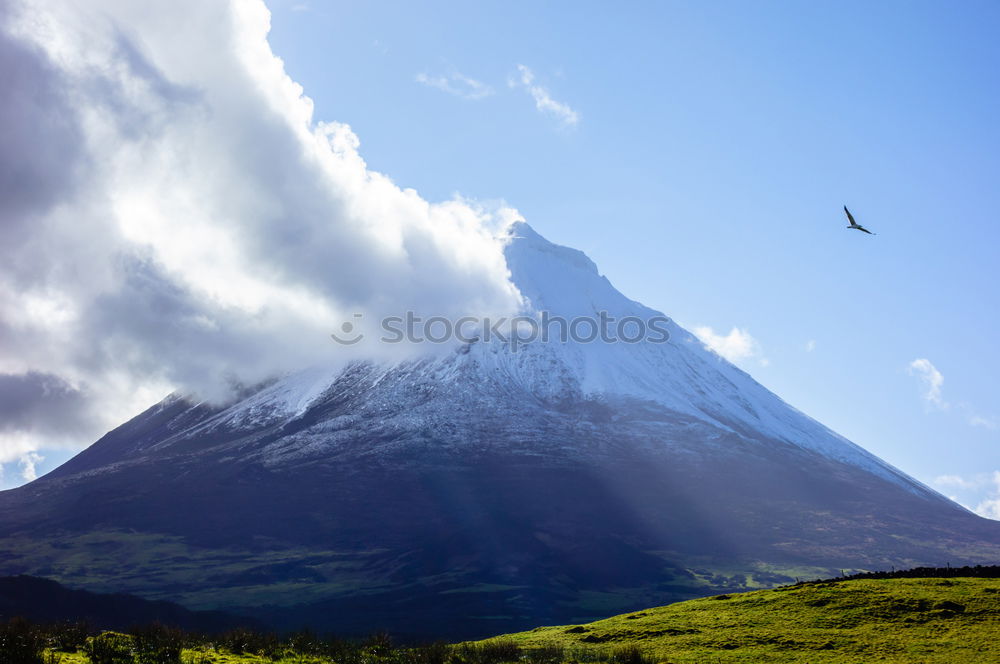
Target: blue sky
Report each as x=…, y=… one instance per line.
x=714, y=146
x=701, y=153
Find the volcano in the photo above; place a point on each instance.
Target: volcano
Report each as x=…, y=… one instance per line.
x=481, y=490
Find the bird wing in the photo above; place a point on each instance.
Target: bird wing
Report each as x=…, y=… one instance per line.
x=862, y=228
x=850, y=216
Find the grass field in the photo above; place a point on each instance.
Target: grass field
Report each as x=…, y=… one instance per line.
x=909, y=621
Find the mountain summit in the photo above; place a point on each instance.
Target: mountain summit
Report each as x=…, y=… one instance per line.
x=482, y=490
x=682, y=376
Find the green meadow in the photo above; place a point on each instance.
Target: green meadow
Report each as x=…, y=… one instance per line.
x=865, y=620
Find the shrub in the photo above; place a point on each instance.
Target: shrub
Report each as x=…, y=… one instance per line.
x=342, y=652
x=495, y=651
x=242, y=641
x=378, y=644
x=547, y=654
x=20, y=643
x=238, y=641
x=68, y=636
x=110, y=648
x=305, y=642
x=431, y=653
x=157, y=644
x=630, y=654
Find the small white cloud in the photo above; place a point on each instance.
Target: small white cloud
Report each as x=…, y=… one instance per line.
x=810, y=345
x=543, y=99
x=957, y=480
x=984, y=422
x=456, y=84
x=981, y=490
x=989, y=507
x=28, y=462
x=933, y=381
x=735, y=346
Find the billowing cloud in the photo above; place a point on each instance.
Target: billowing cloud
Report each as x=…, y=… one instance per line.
x=932, y=379
x=172, y=217
x=736, y=346
x=543, y=98
x=456, y=84
x=41, y=402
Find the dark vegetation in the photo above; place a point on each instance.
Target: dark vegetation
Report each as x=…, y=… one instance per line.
x=926, y=615
x=967, y=571
x=46, y=601
x=21, y=643
x=24, y=642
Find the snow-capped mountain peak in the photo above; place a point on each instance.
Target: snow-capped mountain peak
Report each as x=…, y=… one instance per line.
x=674, y=373
x=562, y=280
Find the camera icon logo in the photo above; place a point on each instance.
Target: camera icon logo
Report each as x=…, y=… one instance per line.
x=349, y=333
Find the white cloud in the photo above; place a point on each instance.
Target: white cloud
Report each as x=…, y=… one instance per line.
x=932, y=379
x=981, y=492
x=543, y=99
x=956, y=481
x=989, y=507
x=736, y=346
x=933, y=382
x=173, y=217
x=28, y=461
x=810, y=345
x=456, y=84
x=984, y=422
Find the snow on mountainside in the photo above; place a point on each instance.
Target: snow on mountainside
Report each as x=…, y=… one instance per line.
x=680, y=375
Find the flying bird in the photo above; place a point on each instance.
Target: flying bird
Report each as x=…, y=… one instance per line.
x=855, y=225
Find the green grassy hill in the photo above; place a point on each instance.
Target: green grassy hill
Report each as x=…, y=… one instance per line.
x=887, y=620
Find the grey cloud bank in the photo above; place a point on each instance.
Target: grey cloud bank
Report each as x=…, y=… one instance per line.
x=173, y=218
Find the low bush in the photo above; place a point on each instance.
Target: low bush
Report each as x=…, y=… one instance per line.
x=548, y=654
x=157, y=644
x=21, y=642
x=630, y=654
x=249, y=642
x=67, y=636
x=110, y=648
x=431, y=653
x=494, y=651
